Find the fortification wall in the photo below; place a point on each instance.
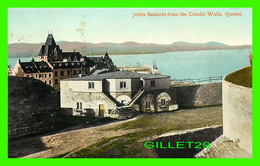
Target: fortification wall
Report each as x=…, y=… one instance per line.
x=32, y=106
x=237, y=114
x=197, y=95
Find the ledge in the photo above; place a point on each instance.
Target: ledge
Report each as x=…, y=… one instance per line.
x=242, y=77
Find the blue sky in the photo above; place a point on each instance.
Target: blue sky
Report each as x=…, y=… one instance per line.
x=95, y=25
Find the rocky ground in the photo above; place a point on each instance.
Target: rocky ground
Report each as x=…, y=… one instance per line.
x=120, y=139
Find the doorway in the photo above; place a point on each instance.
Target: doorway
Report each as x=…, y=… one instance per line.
x=101, y=111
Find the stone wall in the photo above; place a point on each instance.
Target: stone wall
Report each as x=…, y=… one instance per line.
x=197, y=95
x=32, y=106
x=237, y=114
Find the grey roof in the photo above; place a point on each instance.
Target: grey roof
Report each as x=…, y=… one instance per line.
x=35, y=67
x=69, y=65
x=50, y=40
x=49, y=47
x=118, y=75
x=73, y=56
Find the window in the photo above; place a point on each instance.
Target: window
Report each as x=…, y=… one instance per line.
x=79, y=105
x=49, y=75
x=122, y=85
x=163, y=102
x=45, y=75
x=50, y=82
x=148, y=105
x=152, y=83
x=62, y=73
x=74, y=72
x=91, y=85
x=68, y=73
x=109, y=111
x=45, y=82
x=56, y=82
x=56, y=74
x=36, y=76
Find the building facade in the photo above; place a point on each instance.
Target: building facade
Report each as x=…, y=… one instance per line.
x=53, y=64
x=105, y=94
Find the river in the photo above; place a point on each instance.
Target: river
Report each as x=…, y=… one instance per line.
x=184, y=64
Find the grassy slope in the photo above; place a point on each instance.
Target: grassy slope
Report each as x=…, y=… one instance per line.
x=149, y=125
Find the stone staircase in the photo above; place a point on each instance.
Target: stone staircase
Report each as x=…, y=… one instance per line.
x=136, y=96
x=113, y=99
x=126, y=112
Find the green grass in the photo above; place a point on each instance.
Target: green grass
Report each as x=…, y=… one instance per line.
x=119, y=146
x=147, y=126
x=241, y=77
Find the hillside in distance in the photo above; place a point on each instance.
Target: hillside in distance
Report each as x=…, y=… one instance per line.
x=31, y=50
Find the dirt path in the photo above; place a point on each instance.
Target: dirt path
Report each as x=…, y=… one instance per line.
x=72, y=141
x=64, y=142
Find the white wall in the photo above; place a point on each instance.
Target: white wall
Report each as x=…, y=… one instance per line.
x=237, y=114
x=82, y=86
x=115, y=85
x=162, y=83
x=126, y=98
x=69, y=99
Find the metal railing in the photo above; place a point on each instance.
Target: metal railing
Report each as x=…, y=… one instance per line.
x=198, y=80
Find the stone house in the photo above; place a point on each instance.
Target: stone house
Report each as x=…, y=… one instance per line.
x=105, y=94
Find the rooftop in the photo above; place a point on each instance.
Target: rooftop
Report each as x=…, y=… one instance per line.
x=70, y=65
x=118, y=75
x=35, y=67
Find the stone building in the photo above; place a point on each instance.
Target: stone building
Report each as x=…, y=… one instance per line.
x=53, y=64
x=102, y=95
x=103, y=62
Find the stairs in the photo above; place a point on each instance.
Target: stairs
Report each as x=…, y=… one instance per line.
x=92, y=71
x=126, y=112
x=113, y=99
x=136, y=97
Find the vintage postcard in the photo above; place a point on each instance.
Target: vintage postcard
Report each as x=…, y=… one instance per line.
x=130, y=82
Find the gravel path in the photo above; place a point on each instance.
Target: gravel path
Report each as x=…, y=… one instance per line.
x=72, y=141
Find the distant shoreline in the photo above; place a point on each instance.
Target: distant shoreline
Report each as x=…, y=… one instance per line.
x=126, y=48
x=29, y=55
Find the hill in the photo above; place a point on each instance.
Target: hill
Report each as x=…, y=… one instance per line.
x=29, y=50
